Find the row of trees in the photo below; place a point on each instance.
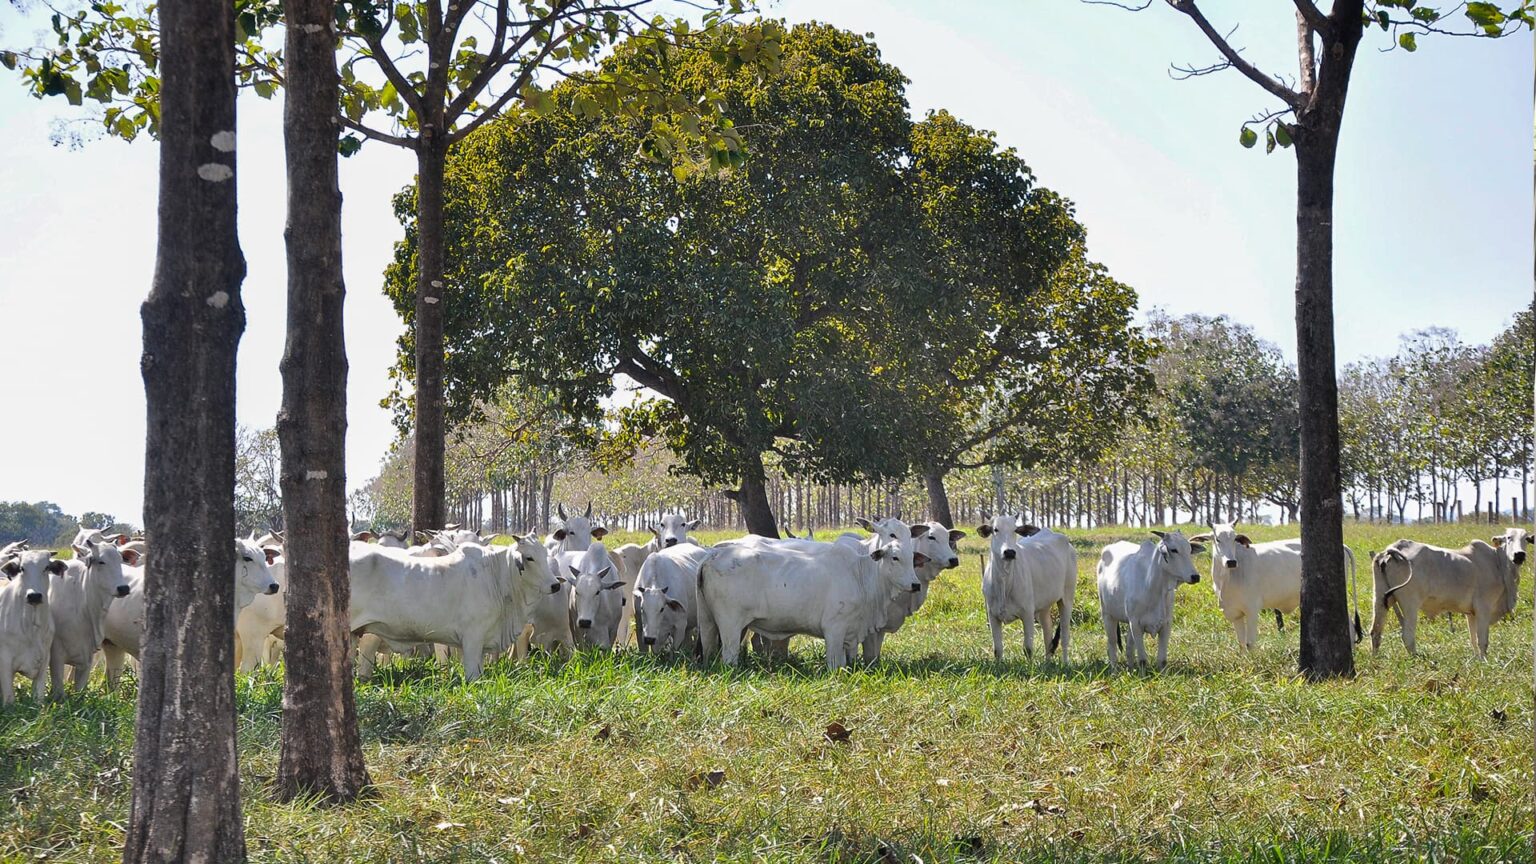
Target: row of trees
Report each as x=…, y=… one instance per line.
x=44, y=523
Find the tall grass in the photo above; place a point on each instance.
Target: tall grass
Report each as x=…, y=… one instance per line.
x=950, y=756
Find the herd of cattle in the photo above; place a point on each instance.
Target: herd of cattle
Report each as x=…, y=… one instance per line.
x=455, y=592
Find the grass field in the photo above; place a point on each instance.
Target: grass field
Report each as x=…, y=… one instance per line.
x=949, y=757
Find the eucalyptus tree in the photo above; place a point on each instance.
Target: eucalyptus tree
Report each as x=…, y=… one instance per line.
x=1308, y=120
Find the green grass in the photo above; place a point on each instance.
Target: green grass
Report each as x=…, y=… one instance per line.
x=952, y=757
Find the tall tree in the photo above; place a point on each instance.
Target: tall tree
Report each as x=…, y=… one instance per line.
x=760, y=303
x=186, y=784
x=322, y=753
x=422, y=67
x=1310, y=121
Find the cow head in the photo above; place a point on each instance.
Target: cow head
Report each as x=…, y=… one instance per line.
x=663, y=617
x=528, y=557
x=576, y=533
x=1175, y=557
x=394, y=539
x=103, y=563
x=32, y=568
x=892, y=548
x=936, y=545
x=252, y=573
x=1004, y=531
x=673, y=529
x=1513, y=544
x=589, y=579
x=1227, y=546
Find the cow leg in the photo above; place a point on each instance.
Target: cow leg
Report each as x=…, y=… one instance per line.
x=732, y=631
x=474, y=657
x=1410, y=618
x=1252, y=622
x=1066, y=627
x=1132, y=634
x=1111, y=637
x=56, y=666
x=1028, y=620
x=997, y=638
x=1477, y=623
x=39, y=685
x=82, y=677
x=7, y=683
x=1045, y=629
x=367, y=654
x=1162, y=642
x=112, y=656
x=872, y=645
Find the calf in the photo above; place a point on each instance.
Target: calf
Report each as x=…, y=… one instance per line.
x=1136, y=586
x=1251, y=577
x=666, y=599
x=598, y=598
x=123, y=628
x=1479, y=580
x=779, y=588
x=477, y=603
x=26, y=627
x=1031, y=576
x=78, y=600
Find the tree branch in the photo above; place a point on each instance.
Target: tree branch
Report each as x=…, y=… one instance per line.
x=1306, y=50
x=1234, y=59
x=374, y=134
x=1308, y=11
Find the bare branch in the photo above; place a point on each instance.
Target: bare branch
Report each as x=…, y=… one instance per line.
x=376, y=135
x=1233, y=58
x=403, y=87
x=1308, y=12
x=1306, y=50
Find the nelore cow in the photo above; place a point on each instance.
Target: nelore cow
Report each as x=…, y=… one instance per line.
x=1136, y=584
x=779, y=588
x=1250, y=577
x=1480, y=580
x=666, y=599
x=474, y=601
x=26, y=626
x=1031, y=574
x=598, y=597
x=933, y=552
x=78, y=600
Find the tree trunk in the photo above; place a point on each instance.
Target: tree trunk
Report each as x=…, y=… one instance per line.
x=322, y=754
x=186, y=782
x=752, y=500
x=1326, y=646
x=938, y=499
x=428, y=486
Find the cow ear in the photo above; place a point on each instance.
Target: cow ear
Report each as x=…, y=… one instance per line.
x=452, y=526
x=878, y=553
x=919, y=530
x=131, y=557
x=1027, y=530
x=919, y=559
x=865, y=524
x=692, y=523
x=1529, y=540
x=57, y=567
x=1160, y=535
x=1196, y=548
x=365, y=536
x=674, y=605
x=956, y=535
x=984, y=530
x=1497, y=541
x=10, y=568
x=559, y=535
x=599, y=533
x=1243, y=539
x=574, y=571
x=609, y=586
x=85, y=551
x=655, y=529
x=1201, y=538
x=272, y=553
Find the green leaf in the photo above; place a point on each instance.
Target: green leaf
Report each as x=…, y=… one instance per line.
x=1383, y=18
x=1247, y=137
x=348, y=145
x=1486, y=16
x=1408, y=41
x=8, y=59
x=1283, y=134
x=1269, y=141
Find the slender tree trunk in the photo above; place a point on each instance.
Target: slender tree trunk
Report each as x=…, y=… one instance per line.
x=752, y=500
x=938, y=498
x=428, y=488
x=186, y=782
x=1326, y=647
x=322, y=754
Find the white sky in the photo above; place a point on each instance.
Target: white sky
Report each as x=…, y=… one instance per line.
x=1433, y=213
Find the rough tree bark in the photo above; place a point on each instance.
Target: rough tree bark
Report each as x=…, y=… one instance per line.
x=321, y=751
x=186, y=782
x=938, y=498
x=1326, y=645
x=429, y=484
x=752, y=499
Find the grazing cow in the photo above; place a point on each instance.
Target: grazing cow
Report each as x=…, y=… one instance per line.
x=1479, y=580
x=666, y=599
x=779, y=588
x=123, y=629
x=598, y=598
x=933, y=552
x=574, y=533
x=1136, y=586
x=26, y=627
x=78, y=600
x=476, y=603
x=1251, y=577
x=1030, y=577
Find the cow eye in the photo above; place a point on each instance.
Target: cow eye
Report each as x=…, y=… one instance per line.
x=247, y=558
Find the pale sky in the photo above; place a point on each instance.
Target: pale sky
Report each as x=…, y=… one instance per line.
x=1433, y=219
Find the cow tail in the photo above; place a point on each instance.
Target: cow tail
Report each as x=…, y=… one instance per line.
x=1354, y=595
x=709, y=638
x=1055, y=639
x=1280, y=620
x=1119, y=643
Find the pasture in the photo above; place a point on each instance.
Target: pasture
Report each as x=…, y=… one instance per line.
x=937, y=754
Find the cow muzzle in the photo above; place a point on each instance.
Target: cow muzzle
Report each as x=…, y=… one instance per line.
x=1230, y=563
x=1193, y=578
x=1519, y=557
x=34, y=597
x=671, y=541
x=273, y=588
x=1010, y=554
x=953, y=563
x=122, y=590
x=555, y=588
x=648, y=641
x=584, y=623
x=915, y=587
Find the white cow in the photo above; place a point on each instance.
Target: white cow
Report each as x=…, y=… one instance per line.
x=1030, y=577
x=476, y=603
x=599, y=598
x=264, y=617
x=1479, y=580
x=1250, y=577
x=574, y=533
x=26, y=627
x=78, y=600
x=931, y=547
x=671, y=531
x=666, y=598
x=123, y=630
x=1136, y=586
x=779, y=588
x=627, y=561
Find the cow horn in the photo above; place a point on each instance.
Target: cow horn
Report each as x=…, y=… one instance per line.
x=560, y=509
x=588, y=514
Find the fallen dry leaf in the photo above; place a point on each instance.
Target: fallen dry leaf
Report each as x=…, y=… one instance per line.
x=1039, y=806
x=604, y=733
x=703, y=779
x=838, y=733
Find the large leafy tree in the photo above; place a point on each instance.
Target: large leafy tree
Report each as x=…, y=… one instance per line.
x=422, y=76
x=1026, y=354
x=1308, y=120
x=759, y=302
